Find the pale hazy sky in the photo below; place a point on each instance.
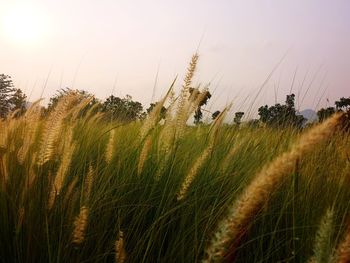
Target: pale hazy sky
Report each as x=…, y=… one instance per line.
x=95, y=45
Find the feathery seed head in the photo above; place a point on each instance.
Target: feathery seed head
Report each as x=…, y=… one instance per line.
x=120, y=253
x=88, y=182
x=323, y=246
x=53, y=128
x=253, y=198
x=80, y=225
x=110, y=146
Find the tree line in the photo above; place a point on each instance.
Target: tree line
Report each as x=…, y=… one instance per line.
x=13, y=100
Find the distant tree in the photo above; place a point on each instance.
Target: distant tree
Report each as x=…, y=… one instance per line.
x=265, y=113
x=343, y=103
x=290, y=101
x=11, y=99
x=281, y=115
x=162, y=111
x=6, y=91
x=238, y=117
x=205, y=95
x=124, y=109
x=323, y=114
x=18, y=101
x=215, y=114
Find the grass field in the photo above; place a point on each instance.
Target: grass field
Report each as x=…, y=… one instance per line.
x=75, y=187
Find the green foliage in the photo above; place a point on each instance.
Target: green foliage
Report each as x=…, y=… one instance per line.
x=323, y=114
x=143, y=206
x=18, y=101
x=343, y=103
x=11, y=99
x=281, y=115
x=238, y=117
x=156, y=227
x=124, y=109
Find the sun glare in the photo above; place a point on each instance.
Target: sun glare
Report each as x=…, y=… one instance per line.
x=24, y=25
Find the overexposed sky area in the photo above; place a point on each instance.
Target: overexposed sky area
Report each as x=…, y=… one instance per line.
x=119, y=46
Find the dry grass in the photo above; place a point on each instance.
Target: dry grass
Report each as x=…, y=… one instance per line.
x=120, y=254
x=80, y=224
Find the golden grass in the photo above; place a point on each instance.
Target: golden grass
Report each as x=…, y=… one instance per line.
x=52, y=165
x=255, y=195
x=144, y=154
x=31, y=120
x=110, y=146
x=80, y=224
x=120, y=253
x=89, y=179
x=323, y=243
x=52, y=129
x=342, y=254
x=68, y=151
x=203, y=157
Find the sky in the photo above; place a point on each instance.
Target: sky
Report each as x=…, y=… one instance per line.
x=251, y=52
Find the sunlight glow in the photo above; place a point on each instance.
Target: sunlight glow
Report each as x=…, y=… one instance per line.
x=24, y=24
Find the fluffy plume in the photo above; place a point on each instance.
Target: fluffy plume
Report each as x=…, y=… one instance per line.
x=70, y=188
x=110, y=146
x=53, y=128
x=254, y=197
x=31, y=120
x=193, y=173
x=120, y=254
x=202, y=158
x=184, y=102
x=167, y=134
x=190, y=71
x=80, y=224
x=323, y=246
x=63, y=168
x=88, y=182
x=177, y=115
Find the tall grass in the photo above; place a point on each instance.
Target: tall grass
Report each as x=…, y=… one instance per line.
x=75, y=187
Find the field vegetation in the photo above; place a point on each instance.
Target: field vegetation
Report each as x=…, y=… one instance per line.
x=77, y=185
